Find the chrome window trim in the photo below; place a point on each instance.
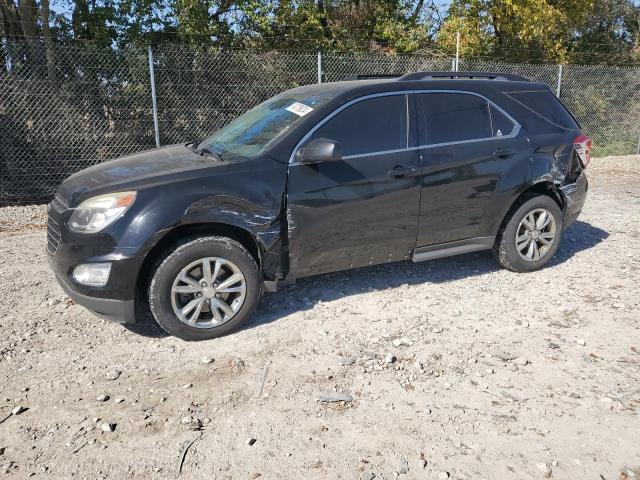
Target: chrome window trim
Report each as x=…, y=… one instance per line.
x=513, y=134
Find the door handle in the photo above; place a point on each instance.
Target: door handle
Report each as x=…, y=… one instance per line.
x=400, y=171
x=502, y=153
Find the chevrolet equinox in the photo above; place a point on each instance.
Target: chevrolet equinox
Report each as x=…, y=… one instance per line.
x=318, y=179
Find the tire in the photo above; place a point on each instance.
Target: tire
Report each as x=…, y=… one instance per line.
x=170, y=297
x=505, y=249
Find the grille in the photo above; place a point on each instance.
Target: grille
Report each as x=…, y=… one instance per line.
x=53, y=236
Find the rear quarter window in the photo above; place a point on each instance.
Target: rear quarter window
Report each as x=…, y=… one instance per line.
x=545, y=106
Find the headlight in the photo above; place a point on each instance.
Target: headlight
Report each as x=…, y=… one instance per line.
x=97, y=213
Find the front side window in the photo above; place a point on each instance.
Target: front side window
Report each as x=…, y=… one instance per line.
x=250, y=133
x=372, y=125
x=455, y=117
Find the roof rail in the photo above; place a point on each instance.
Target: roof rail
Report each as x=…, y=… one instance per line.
x=463, y=75
x=370, y=76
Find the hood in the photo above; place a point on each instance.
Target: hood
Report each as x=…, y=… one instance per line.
x=134, y=172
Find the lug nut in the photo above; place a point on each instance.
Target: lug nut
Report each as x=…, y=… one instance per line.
x=215, y=284
x=198, y=294
x=204, y=284
x=217, y=294
x=206, y=301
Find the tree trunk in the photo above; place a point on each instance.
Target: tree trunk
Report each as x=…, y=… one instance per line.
x=28, y=15
x=48, y=40
x=10, y=20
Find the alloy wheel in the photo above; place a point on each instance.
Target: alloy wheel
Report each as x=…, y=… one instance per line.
x=536, y=234
x=208, y=292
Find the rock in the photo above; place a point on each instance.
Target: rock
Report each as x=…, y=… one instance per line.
x=251, y=441
x=206, y=360
x=437, y=330
x=108, y=427
x=17, y=410
x=443, y=475
x=559, y=323
x=186, y=420
x=390, y=358
x=404, y=466
x=581, y=341
x=187, y=385
x=113, y=374
x=368, y=476
x=398, y=342
x=119, y=400
x=53, y=301
x=505, y=356
x=335, y=397
x=102, y=398
x=522, y=361
x=347, y=361
x=545, y=468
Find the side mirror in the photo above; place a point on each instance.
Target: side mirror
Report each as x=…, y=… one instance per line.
x=319, y=150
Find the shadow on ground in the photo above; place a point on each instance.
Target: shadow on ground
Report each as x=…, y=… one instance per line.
x=324, y=288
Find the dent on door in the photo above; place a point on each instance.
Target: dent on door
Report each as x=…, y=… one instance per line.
x=352, y=213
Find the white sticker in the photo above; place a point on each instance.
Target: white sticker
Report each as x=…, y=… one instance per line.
x=498, y=133
x=299, y=109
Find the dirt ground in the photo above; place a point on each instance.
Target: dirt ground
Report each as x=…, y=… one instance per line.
x=455, y=368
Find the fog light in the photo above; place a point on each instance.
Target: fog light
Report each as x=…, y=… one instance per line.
x=92, y=274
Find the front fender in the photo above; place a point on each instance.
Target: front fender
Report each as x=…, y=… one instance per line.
x=249, y=198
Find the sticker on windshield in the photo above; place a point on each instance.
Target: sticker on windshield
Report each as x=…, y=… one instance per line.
x=299, y=109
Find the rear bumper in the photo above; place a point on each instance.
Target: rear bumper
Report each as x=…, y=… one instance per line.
x=575, y=195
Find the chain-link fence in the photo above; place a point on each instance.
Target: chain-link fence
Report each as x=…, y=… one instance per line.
x=66, y=107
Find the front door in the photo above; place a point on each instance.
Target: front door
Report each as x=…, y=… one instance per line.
x=363, y=209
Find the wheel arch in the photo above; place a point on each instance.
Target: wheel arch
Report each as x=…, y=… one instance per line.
x=183, y=233
x=544, y=187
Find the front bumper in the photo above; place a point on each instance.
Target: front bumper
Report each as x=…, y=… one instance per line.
x=121, y=311
x=116, y=300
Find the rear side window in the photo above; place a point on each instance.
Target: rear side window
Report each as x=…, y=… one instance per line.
x=454, y=117
x=372, y=125
x=545, y=105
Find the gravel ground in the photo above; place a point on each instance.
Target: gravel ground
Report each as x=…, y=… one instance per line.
x=448, y=369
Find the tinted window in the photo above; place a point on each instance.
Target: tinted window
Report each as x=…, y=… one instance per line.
x=501, y=124
x=452, y=117
x=545, y=105
x=372, y=125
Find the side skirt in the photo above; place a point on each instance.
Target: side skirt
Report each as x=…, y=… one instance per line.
x=449, y=249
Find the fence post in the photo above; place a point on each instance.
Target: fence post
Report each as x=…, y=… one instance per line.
x=319, y=67
x=152, y=78
x=559, y=81
x=453, y=64
x=457, y=51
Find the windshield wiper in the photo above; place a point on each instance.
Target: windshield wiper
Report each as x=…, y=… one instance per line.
x=209, y=153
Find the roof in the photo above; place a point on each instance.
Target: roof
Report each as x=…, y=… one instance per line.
x=354, y=86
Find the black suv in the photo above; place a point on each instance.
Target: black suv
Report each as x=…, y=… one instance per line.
x=317, y=179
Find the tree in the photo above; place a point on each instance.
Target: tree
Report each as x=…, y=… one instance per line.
x=520, y=30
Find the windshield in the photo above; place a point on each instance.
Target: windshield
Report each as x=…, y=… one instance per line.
x=250, y=133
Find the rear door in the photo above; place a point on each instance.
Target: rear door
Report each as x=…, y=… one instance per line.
x=470, y=145
x=363, y=209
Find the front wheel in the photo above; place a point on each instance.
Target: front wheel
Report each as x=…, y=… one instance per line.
x=530, y=236
x=205, y=289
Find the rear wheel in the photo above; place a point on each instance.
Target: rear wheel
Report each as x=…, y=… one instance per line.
x=205, y=289
x=530, y=236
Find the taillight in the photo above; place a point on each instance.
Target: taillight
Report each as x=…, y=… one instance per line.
x=582, y=144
